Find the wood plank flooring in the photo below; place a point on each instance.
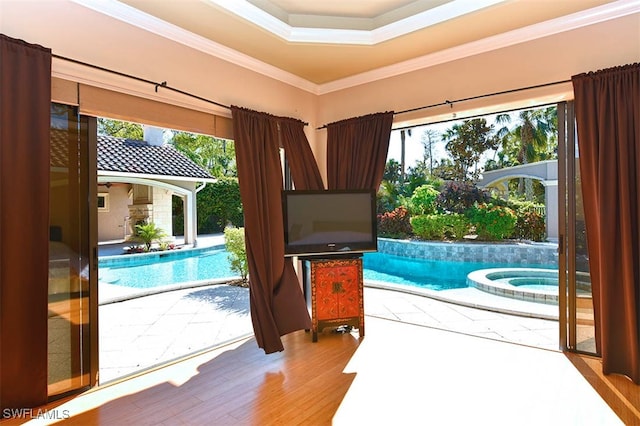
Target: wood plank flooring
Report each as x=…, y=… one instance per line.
x=399, y=374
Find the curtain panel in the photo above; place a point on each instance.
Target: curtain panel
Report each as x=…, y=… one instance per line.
x=357, y=151
x=25, y=102
x=303, y=165
x=607, y=108
x=277, y=303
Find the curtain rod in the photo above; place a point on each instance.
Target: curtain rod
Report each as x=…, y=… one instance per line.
x=487, y=95
x=133, y=77
x=164, y=85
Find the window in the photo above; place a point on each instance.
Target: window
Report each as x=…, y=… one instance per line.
x=103, y=202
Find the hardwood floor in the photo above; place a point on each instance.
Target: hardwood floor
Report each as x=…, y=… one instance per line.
x=398, y=374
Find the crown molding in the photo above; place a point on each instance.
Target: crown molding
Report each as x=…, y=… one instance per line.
x=574, y=21
x=327, y=35
x=137, y=18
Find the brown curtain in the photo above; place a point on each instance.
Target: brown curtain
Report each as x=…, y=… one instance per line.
x=303, y=165
x=25, y=102
x=277, y=302
x=607, y=105
x=357, y=151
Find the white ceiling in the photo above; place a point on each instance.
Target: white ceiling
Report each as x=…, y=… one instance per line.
x=339, y=43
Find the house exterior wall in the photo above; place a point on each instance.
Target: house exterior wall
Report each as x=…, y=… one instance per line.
x=112, y=223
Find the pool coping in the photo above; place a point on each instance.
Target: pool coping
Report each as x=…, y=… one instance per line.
x=106, y=261
x=482, y=280
x=474, y=298
x=123, y=293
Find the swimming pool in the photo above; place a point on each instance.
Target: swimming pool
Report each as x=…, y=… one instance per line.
x=429, y=274
x=145, y=271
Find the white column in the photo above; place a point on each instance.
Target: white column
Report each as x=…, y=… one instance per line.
x=551, y=202
x=190, y=219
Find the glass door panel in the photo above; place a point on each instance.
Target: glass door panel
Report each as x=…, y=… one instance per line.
x=577, y=311
x=70, y=265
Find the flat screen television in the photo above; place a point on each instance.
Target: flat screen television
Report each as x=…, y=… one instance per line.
x=329, y=222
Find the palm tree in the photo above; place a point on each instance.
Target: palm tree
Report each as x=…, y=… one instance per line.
x=533, y=135
x=503, y=133
x=402, y=152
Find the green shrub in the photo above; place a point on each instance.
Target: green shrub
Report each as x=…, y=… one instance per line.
x=492, y=222
x=219, y=205
x=428, y=227
x=530, y=224
x=394, y=224
x=386, y=197
x=440, y=226
x=423, y=200
x=456, y=225
x=234, y=243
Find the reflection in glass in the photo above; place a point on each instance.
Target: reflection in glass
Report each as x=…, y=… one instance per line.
x=68, y=340
x=585, y=329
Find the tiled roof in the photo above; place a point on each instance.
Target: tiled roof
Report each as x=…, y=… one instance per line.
x=131, y=156
x=125, y=155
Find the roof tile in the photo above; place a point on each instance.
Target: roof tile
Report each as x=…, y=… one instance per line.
x=132, y=156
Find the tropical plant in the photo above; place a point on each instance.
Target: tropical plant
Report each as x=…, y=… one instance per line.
x=386, y=197
x=235, y=245
x=428, y=227
x=530, y=224
x=392, y=172
x=466, y=143
x=533, y=139
x=423, y=200
x=458, y=197
x=440, y=226
x=492, y=222
x=394, y=224
x=403, y=134
x=219, y=205
x=148, y=233
x=417, y=176
x=120, y=129
x=446, y=170
x=213, y=154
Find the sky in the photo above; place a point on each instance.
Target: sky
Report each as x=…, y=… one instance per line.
x=414, y=150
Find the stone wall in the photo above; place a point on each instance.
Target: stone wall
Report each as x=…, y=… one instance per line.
x=499, y=252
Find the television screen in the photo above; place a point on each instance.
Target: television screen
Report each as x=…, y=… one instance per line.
x=329, y=222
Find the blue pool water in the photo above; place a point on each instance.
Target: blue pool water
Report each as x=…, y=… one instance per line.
x=141, y=272
x=203, y=265
x=429, y=274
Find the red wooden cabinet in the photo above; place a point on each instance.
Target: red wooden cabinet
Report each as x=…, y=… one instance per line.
x=336, y=294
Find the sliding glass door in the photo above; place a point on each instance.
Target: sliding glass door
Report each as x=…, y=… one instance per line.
x=72, y=326
x=577, y=331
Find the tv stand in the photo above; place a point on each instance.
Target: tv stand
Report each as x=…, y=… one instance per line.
x=334, y=293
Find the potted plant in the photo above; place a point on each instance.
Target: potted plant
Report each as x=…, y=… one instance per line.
x=148, y=233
